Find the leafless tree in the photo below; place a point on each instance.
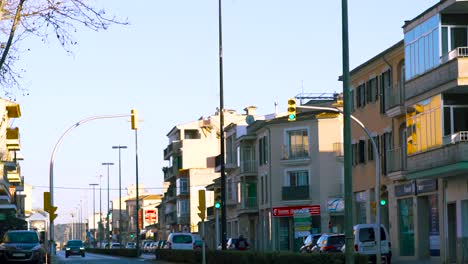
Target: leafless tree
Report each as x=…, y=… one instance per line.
x=21, y=19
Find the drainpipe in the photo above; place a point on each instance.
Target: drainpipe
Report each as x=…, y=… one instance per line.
x=273, y=222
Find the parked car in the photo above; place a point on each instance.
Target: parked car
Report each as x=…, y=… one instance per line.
x=364, y=241
x=161, y=244
x=21, y=246
x=152, y=246
x=328, y=243
x=182, y=241
x=115, y=246
x=309, y=243
x=130, y=245
x=74, y=247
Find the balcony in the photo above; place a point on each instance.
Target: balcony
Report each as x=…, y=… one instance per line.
x=248, y=167
x=451, y=73
x=248, y=205
x=168, y=173
x=172, y=148
x=295, y=193
x=447, y=160
x=12, y=138
x=396, y=163
x=395, y=100
x=171, y=218
x=296, y=154
x=170, y=195
x=218, y=163
x=183, y=219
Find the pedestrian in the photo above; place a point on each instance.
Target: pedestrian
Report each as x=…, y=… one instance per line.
x=242, y=243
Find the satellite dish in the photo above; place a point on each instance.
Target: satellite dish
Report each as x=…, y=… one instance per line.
x=249, y=119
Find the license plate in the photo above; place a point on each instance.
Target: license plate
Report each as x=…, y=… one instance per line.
x=19, y=255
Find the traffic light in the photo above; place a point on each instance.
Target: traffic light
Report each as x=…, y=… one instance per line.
x=52, y=214
x=46, y=201
x=373, y=208
x=134, y=119
x=292, y=109
x=217, y=197
x=132, y=235
x=201, y=204
x=383, y=195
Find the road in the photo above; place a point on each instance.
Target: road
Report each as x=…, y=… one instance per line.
x=103, y=259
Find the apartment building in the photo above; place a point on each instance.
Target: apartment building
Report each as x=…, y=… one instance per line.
x=147, y=204
x=12, y=210
x=377, y=93
x=432, y=198
x=191, y=156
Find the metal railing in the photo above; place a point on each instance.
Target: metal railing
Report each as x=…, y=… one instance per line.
x=396, y=160
x=461, y=136
x=248, y=166
x=295, y=152
x=295, y=192
x=249, y=203
x=394, y=95
x=455, y=53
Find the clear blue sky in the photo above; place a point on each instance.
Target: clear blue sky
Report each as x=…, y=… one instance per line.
x=165, y=64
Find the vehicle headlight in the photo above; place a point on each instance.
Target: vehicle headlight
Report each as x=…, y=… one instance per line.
x=81, y=248
x=38, y=247
x=67, y=248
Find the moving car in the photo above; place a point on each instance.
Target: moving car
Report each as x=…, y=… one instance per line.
x=74, y=247
x=182, y=241
x=116, y=245
x=309, y=243
x=328, y=243
x=364, y=241
x=130, y=245
x=22, y=246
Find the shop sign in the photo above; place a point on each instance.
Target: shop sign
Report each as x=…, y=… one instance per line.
x=288, y=211
x=302, y=222
x=425, y=186
x=151, y=216
x=405, y=189
x=335, y=205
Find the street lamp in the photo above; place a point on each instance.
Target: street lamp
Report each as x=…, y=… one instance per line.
x=94, y=210
x=108, y=164
x=120, y=190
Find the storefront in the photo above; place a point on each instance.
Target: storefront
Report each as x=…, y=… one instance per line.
x=335, y=208
x=293, y=225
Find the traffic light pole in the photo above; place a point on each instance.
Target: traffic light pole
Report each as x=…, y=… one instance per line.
x=51, y=169
x=221, y=124
x=377, y=172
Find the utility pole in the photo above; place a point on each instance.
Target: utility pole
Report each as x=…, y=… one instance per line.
x=120, y=191
x=348, y=172
x=108, y=164
x=221, y=124
x=100, y=212
x=94, y=211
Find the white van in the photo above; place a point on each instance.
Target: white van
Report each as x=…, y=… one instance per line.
x=364, y=241
x=182, y=241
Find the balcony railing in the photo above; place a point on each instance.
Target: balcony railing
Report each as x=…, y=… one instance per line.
x=168, y=173
x=295, y=152
x=295, y=192
x=249, y=203
x=461, y=136
x=455, y=53
x=248, y=166
x=172, y=148
x=394, y=95
x=396, y=160
x=183, y=218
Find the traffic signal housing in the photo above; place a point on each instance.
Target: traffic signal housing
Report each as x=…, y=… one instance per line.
x=217, y=197
x=52, y=214
x=46, y=201
x=134, y=119
x=49, y=208
x=383, y=195
x=292, y=109
x=201, y=204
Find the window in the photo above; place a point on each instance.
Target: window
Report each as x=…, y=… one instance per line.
x=182, y=186
x=263, y=150
x=231, y=154
x=361, y=95
x=182, y=207
x=261, y=190
x=297, y=178
x=370, y=148
x=362, y=151
x=298, y=143
x=351, y=95
x=192, y=134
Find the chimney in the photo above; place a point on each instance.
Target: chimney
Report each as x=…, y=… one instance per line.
x=250, y=110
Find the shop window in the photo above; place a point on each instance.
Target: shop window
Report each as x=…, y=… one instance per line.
x=406, y=226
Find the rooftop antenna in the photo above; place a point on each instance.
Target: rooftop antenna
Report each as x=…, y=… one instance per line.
x=276, y=107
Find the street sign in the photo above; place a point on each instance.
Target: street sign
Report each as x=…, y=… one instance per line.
x=288, y=211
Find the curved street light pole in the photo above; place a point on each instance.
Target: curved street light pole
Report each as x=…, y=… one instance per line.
x=377, y=172
x=51, y=167
x=119, y=147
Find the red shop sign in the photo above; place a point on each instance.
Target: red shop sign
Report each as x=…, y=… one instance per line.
x=289, y=210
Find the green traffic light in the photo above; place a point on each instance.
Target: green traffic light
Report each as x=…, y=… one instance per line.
x=383, y=202
x=292, y=117
x=217, y=205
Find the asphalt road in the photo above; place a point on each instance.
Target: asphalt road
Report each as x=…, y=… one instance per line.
x=102, y=259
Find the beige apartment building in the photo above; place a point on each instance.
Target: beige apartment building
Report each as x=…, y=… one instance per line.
x=191, y=156
x=12, y=201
